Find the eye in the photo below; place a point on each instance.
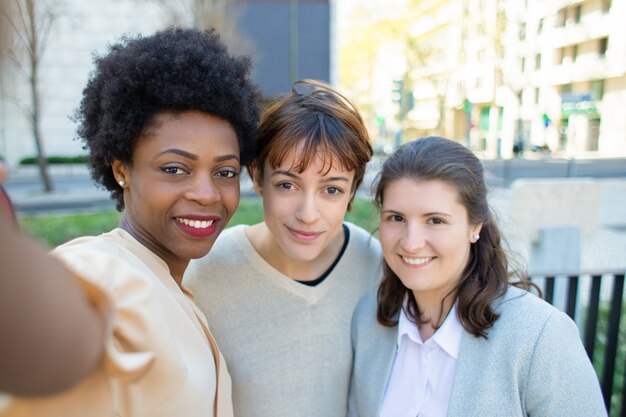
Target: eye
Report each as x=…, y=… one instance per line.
x=395, y=218
x=436, y=220
x=285, y=186
x=334, y=190
x=228, y=173
x=174, y=170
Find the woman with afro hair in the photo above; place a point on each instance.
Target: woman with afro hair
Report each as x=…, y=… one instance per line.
x=169, y=120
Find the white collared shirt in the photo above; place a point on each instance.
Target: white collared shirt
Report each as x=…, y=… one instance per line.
x=423, y=372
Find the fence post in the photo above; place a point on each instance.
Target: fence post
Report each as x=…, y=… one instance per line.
x=557, y=250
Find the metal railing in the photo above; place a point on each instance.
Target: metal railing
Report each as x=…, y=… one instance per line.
x=583, y=292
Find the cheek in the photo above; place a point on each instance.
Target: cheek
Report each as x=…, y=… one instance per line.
x=272, y=207
x=230, y=197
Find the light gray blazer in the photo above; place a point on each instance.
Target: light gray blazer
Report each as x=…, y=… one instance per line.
x=533, y=364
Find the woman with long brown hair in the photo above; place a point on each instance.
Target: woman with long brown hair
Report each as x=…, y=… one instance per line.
x=448, y=333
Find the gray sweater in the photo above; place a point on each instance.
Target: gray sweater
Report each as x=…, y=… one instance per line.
x=533, y=364
x=287, y=345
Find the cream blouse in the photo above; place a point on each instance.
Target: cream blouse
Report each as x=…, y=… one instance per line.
x=159, y=358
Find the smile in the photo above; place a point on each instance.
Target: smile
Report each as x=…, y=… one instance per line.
x=196, y=224
x=302, y=235
x=197, y=228
x=417, y=261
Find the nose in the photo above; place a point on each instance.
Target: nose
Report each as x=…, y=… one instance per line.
x=203, y=190
x=413, y=238
x=308, y=211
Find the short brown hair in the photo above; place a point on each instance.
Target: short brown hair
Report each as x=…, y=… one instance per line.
x=314, y=118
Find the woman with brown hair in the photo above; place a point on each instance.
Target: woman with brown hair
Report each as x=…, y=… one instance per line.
x=280, y=294
x=448, y=333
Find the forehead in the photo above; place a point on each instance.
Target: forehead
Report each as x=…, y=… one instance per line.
x=190, y=128
x=301, y=158
x=412, y=194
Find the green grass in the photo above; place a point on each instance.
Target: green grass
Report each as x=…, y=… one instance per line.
x=54, y=230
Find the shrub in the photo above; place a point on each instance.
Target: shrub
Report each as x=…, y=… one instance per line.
x=57, y=159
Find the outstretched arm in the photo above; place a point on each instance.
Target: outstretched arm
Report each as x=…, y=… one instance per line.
x=50, y=335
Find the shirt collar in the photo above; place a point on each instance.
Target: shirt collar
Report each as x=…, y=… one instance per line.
x=448, y=336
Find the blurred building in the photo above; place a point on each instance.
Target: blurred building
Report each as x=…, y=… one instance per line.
x=505, y=75
x=567, y=63
x=287, y=40
x=291, y=40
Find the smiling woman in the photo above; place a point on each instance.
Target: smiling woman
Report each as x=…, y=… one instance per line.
x=280, y=294
x=169, y=120
x=179, y=193
x=448, y=334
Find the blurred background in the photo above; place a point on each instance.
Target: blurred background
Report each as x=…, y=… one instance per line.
x=536, y=88
x=506, y=77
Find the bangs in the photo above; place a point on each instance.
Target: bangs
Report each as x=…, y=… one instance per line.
x=323, y=137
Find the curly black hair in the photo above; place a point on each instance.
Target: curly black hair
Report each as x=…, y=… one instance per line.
x=174, y=70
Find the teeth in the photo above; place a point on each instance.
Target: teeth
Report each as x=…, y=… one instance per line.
x=416, y=261
x=197, y=224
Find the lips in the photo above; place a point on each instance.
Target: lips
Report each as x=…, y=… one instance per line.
x=304, y=235
x=197, y=227
x=417, y=260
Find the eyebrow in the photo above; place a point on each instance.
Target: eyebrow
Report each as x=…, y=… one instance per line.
x=434, y=213
x=195, y=157
x=292, y=175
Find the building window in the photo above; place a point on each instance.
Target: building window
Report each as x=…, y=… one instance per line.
x=522, y=31
x=540, y=26
x=537, y=95
x=523, y=64
x=562, y=18
x=597, y=89
x=538, y=61
x=602, y=46
x=606, y=5
x=559, y=56
x=574, y=53
x=566, y=88
x=577, y=13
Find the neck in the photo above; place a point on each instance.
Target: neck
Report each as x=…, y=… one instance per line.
x=434, y=311
x=177, y=269
x=302, y=270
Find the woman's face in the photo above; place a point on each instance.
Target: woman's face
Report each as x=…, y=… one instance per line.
x=425, y=236
x=304, y=211
x=182, y=186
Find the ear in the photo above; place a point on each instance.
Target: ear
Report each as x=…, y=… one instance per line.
x=475, y=233
x=257, y=180
x=120, y=172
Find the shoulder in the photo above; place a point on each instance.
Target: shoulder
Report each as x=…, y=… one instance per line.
x=230, y=236
x=91, y=250
x=524, y=315
x=363, y=242
x=110, y=259
x=227, y=246
x=231, y=256
x=366, y=330
x=524, y=305
x=366, y=307
x=364, y=316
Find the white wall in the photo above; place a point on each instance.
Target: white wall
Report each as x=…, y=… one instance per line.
x=82, y=29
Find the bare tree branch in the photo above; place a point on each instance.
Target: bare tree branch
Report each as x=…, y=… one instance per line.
x=31, y=27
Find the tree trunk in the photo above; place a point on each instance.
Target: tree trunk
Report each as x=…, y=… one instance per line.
x=35, y=99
